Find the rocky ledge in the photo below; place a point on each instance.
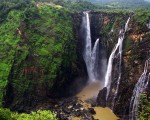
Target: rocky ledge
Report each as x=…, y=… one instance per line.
x=68, y=108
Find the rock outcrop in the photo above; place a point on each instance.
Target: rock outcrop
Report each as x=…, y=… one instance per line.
x=101, y=98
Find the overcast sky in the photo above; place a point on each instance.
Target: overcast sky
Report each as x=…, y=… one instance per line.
x=147, y=0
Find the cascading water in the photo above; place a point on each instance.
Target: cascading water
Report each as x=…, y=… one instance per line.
x=90, y=55
x=111, y=58
x=120, y=59
x=140, y=87
x=94, y=57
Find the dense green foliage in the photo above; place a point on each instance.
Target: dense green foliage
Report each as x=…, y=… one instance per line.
x=8, y=42
x=6, y=114
x=7, y=5
x=72, y=5
x=122, y=4
x=132, y=4
x=142, y=16
x=36, y=42
x=39, y=115
x=144, y=113
x=79, y=5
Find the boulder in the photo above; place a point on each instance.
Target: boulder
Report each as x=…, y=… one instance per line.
x=101, y=98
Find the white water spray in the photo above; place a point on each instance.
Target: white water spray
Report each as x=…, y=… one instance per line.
x=120, y=59
x=108, y=75
x=94, y=58
x=90, y=55
x=140, y=87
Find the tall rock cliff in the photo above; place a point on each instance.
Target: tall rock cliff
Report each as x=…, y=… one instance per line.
x=40, y=59
x=135, y=52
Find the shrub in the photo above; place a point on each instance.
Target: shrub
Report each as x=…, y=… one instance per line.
x=39, y=115
x=5, y=114
x=144, y=113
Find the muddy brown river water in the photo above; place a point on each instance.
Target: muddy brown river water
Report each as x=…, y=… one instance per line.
x=91, y=91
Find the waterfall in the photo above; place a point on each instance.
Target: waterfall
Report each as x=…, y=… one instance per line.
x=89, y=55
x=140, y=87
x=111, y=58
x=120, y=59
x=94, y=59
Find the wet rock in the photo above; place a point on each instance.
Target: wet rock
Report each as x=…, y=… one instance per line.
x=67, y=111
x=66, y=108
x=101, y=98
x=78, y=114
x=92, y=111
x=77, y=106
x=136, y=62
x=93, y=105
x=70, y=107
x=92, y=101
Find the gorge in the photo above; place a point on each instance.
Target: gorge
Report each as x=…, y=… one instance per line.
x=83, y=65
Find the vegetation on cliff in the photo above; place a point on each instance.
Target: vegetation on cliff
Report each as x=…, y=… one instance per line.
x=144, y=113
x=36, y=42
x=8, y=41
x=6, y=114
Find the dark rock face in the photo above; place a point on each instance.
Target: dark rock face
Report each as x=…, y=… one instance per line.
x=96, y=22
x=132, y=68
x=75, y=78
x=92, y=111
x=135, y=51
x=101, y=98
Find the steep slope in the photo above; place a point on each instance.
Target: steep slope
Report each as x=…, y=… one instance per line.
x=38, y=55
x=135, y=52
